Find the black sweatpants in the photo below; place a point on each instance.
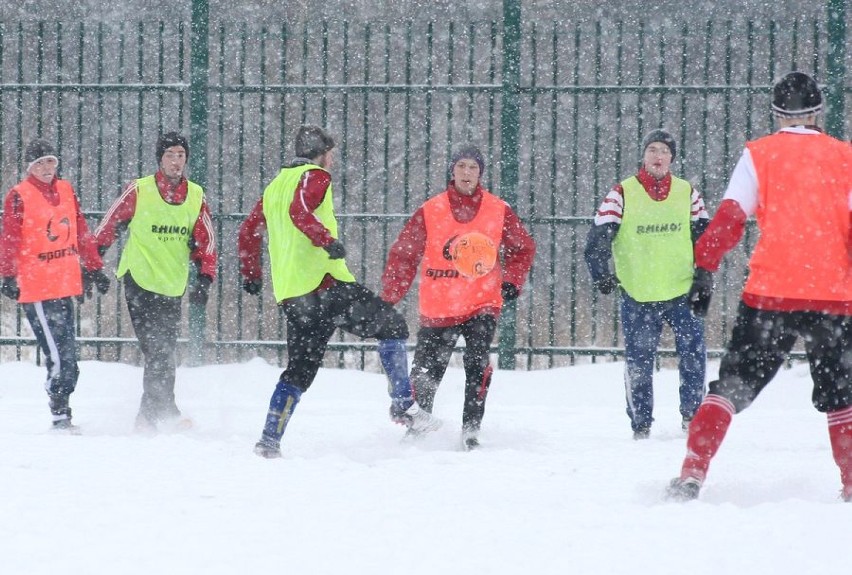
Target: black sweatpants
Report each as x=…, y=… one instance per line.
x=312, y=319
x=52, y=322
x=155, y=320
x=759, y=345
x=432, y=355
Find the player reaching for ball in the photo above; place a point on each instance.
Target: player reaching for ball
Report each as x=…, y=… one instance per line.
x=453, y=240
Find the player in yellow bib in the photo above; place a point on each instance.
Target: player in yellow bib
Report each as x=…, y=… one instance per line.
x=316, y=290
x=647, y=225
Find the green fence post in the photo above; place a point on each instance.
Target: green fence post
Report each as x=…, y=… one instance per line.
x=836, y=68
x=198, y=84
x=509, y=128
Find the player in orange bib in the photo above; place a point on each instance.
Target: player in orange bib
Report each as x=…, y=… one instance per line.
x=453, y=240
x=44, y=243
x=797, y=182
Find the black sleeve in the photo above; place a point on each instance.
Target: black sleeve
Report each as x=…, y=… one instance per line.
x=598, y=250
x=697, y=228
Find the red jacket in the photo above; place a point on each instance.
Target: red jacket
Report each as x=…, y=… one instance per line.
x=13, y=218
x=123, y=209
x=407, y=251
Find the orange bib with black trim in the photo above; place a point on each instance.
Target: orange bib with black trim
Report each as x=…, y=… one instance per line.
x=49, y=261
x=444, y=292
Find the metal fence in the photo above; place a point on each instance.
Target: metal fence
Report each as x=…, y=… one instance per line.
x=558, y=108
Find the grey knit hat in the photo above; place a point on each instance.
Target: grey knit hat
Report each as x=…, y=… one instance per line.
x=466, y=152
x=659, y=135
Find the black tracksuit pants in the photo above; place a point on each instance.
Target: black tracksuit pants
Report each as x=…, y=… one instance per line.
x=156, y=319
x=432, y=355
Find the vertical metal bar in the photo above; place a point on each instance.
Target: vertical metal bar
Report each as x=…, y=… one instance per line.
x=575, y=192
x=181, y=66
x=428, y=119
x=406, y=164
x=533, y=171
x=199, y=74
x=835, y=116
x=39, y=76
x=509, y=129
x=553, y=194
x=451, y=33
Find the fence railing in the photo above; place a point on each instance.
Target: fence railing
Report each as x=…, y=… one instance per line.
x=559, y=110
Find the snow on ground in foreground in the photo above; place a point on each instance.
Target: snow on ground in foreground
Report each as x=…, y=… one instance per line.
x=559, y=485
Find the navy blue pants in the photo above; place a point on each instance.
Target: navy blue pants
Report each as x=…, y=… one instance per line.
x=642, y=324
x=52, y=322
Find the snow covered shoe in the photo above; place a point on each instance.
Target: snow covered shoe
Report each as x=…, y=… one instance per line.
x=419, y=421
x=267, y=448
x=65, y=426
x=684, y=424
x=643, y=433
x=469, y=440
x=683, y=489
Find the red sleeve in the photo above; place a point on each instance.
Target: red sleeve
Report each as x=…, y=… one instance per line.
x=518, y=249
x=118, y=215
x=723, y=233
x=309, y=195
x=86, y=244
x=250, y=242
x=404, y=258
x=204, y=242
x=10, y=240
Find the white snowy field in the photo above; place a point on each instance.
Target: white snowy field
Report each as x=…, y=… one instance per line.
x=559, y=485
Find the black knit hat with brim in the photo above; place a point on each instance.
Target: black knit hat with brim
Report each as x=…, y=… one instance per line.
x=170, y=140
x=38, y=149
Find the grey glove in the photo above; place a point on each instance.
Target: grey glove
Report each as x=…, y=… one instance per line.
x=335, y=250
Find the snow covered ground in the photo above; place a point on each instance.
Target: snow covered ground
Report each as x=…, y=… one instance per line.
x=559, y=485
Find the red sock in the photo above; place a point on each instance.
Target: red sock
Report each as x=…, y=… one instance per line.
x=840, y=433
x=706, y=432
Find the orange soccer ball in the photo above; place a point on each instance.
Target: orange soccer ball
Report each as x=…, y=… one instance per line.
x=473, y=254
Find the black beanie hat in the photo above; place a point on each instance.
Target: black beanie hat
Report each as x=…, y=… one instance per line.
x=466, y=152
x=166, y=141
x=312, y=142
x=660, y=135
x=796, y=95
x=38, y=149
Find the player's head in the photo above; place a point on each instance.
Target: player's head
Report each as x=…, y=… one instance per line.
x=796, y=95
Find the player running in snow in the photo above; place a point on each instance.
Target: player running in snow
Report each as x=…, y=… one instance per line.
x=44, y=242
x=315, y=288
x=797, y=182
x=169, y=228
x=454, y=239
x=648, y=225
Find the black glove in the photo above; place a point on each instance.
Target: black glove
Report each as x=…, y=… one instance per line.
x=607, y=285
x=252, y=287
x=700, y=292
x=509, y=291
x=94, y=279
x=200, y=290
x=335, y=250
x=9, y=288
